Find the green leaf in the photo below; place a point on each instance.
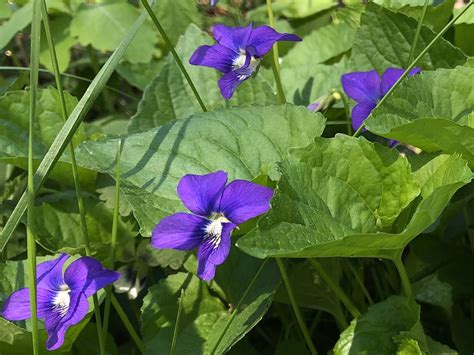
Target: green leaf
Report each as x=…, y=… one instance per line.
x=295, y=9
x=430, y=111
x=175, y=17
x=374, y=332
x=67, y=131
x=63, y=41
x=160, y=306
x=14, y=132
x=204, y=317
x=17, y=21
x=113, y=19
x=160, y=104
x=245, y=142
x=384, y=40
x=58, y=225
x=140, y=75
x=306, y=83
x=310, y=291
x=340, y=197
x=463, y=31
x=321, y=45
x=15, y=338
x=437, y=14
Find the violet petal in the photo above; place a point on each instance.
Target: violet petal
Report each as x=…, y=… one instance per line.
x=201, y=193
x=216, y=56
x=243, y=200
x=57, y=325
x=228, y=83
x=235, y=38
x=263, y=38
x=360, y=112
x=181, y=231
x=391, y=75
x=87, y=275
x=362, y=86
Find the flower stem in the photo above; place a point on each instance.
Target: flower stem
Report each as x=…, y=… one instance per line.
x=417, y=33
x=127, y=324
x=417, y=59
x=30, y=225
x=75, y=172
x=403, y=276
x=276, y=56
x=236, y=310
x=340, y=294
x=174, y=53
x=296, y=309
x=176, y=324
x=359, y=281
x=113, y=242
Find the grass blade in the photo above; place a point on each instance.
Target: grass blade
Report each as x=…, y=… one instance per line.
x=174, y=342
x=30, y=228
x=67, y=131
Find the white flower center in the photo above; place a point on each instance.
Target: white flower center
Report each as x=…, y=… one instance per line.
x=214, y=229
x=239, y=63
x=62, y=300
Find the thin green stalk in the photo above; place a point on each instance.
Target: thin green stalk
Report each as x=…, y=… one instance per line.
x=296, y=309
x=403, y=276
x=360, y=282
x=75, y=173
x=30, y=227
x=417, y=33
x=176, y=324
x=340, y=294
x=417, y=59
x=276, y=56
x=94, y=61
x=64, y=136
x=174, y=53
x=126, y=322
x=72, y=76
x=236, y=310
x=113, y=242
x=348, y=113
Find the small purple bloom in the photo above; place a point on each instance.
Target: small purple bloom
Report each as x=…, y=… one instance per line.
x=62, y=299
x=214, y=2
x=315, y=106
x=217, y=209
x=367, y=89
x=237, y=53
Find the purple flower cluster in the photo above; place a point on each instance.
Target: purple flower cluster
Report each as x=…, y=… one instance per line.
x=217, y=209
x=368, y=88
x=237, y=53
x=61, y=298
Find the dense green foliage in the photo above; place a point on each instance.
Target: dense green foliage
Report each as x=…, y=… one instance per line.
x=377, y=241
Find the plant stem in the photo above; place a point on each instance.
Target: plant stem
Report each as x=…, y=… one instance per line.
x=236, y=309
x=94, y=61
x=296, y=309
x=360, y=282
x=403, y=276
x=412, y=65
x=417, y=33
x=340, y=294
x=72, y=76
x=30, y=225
x=174, y=53
x=75, y=173
x=126, y=322
x=176, y=324
x=276, y=56
x=113, y=242
x=64, y=136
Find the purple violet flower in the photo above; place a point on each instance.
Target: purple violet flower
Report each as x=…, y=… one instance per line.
x=367, y=89
x=62, y=300
x=237, y=53
x=213, y=2
x=217, y=210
